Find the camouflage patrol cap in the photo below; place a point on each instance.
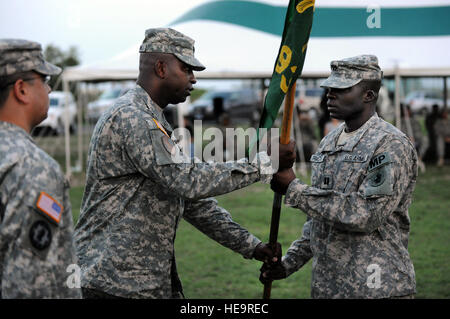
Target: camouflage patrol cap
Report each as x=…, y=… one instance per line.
x=349, y=72
x=18, y=55
x=167, y=40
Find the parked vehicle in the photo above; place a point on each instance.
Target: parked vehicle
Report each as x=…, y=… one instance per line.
x=105, y=101
x=57, y=112
x=240, y=104
x=308, y=99
x=423, y=101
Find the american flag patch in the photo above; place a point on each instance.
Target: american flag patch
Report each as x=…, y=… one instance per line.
x=49, y=206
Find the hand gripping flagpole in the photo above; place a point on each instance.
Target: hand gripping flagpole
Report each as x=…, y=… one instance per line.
x=276, y=206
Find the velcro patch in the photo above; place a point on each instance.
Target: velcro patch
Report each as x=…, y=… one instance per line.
x=379, y=160
x=49, y=207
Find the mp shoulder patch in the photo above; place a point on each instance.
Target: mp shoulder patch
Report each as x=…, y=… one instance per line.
x=379, y=160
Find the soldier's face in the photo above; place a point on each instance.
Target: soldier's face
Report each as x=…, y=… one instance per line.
x=40, y=91
x=345, y=104
x=180, y=80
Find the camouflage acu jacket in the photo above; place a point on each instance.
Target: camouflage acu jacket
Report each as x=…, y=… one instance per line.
x=135, y=195
x=358, y=223
x=36, y=225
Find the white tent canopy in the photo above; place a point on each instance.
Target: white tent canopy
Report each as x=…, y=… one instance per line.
x=229, y=50
x=252, y=54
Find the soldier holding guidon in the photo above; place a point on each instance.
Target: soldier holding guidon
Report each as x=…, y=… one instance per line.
x=363, y=177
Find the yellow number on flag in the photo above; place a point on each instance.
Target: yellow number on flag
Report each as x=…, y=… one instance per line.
x=284, y=59
x=284, y=86
x=303, y=5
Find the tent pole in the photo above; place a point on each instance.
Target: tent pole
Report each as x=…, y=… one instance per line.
x=397, y=98
x=66, y=128
x=80, y=130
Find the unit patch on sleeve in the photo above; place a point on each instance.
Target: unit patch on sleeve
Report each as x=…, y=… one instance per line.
x=40, y=235
x=379, y=179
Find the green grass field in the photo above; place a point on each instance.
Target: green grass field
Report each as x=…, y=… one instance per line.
x=208, y=270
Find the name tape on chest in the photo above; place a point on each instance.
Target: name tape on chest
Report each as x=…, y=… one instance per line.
x=355, y=158
x=49, y=207
x=379, y=160
x=317, y=158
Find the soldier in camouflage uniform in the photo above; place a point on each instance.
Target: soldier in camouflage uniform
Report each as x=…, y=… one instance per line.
x=363, y=176
x=35, y=213
x=139, y=184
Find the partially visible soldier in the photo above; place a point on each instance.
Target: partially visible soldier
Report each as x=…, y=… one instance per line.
x=411, y=127
x=442, y=129
x=139, y=185
x=36, y=227
x=363, y=176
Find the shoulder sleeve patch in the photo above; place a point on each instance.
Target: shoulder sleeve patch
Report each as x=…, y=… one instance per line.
x=166, y=150
x=379, y=181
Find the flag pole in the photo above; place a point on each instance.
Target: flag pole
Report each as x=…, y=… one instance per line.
x=276, y=206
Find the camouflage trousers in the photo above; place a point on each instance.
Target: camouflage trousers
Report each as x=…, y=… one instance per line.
x=403, y=297
x=97, y=294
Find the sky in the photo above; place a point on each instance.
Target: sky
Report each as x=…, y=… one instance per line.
x=101, y=29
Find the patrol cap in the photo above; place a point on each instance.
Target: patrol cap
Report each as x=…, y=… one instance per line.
x=350, y=71
x=17, y=55
x=167, y=40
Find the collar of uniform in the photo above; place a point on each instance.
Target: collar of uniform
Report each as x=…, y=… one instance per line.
x=15, y=129
x=351, y=142
x=154, y=108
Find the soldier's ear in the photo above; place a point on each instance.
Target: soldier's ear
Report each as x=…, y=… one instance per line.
x=160, y=69
x=21, y=91
x=370, y=96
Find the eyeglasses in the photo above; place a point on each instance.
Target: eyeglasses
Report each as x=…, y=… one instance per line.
x=44, y=78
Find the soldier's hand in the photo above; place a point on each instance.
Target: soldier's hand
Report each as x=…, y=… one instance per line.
x=266, y=254
x=286, y=154
x=271, y=272
x=281, y=180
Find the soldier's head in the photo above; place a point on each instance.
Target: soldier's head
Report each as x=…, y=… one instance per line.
x=166, y=65
x=353, y=86
x=24, y=78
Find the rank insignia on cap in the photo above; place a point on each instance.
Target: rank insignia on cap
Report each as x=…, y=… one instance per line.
x=49, y=207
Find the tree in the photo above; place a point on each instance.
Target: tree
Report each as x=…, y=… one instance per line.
x=61, y=58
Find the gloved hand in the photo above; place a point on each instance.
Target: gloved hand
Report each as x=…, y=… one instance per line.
x=266, y=254
x=271, y=272
x=281, y=180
